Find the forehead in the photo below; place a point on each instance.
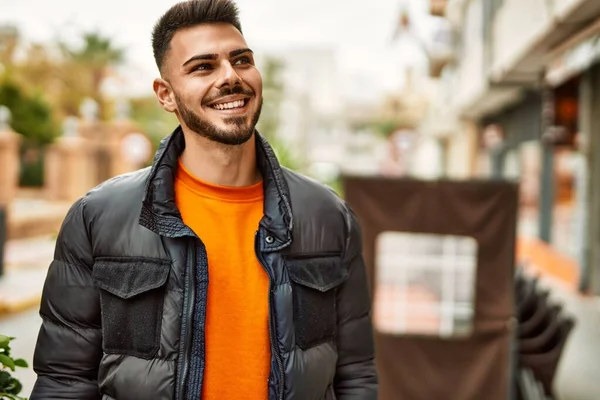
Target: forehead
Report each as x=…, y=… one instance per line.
x=217, y=39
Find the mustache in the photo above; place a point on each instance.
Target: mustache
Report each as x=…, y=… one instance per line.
x=228, y=91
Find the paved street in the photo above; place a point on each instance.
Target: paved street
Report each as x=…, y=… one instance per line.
x=578, y=375
x=30, y=253
x=26, y=264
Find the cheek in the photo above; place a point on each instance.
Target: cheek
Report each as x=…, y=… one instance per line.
x=254, y=80
x=193, y=94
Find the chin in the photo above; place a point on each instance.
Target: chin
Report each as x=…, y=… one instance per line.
x=234, y=136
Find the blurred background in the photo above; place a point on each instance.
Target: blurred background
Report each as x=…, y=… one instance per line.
x=428, y=90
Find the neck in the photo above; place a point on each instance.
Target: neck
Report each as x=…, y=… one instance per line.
x=220, y=164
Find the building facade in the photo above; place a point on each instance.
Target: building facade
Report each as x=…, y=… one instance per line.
x=524, y=84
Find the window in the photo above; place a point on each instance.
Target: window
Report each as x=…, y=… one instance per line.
x=425, y=284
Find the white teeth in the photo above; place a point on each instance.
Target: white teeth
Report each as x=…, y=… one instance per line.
x=230, y=105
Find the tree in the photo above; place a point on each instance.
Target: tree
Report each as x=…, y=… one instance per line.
x=58, y=77
x=94, y=60
x=153, y=120
x=65, y=73
x=31, y=114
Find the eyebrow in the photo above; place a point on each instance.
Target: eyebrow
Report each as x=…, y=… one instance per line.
x=213, y=56
x=237, y=52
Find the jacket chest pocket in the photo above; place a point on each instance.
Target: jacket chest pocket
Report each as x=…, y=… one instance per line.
x=314, y=280
x=132, y=294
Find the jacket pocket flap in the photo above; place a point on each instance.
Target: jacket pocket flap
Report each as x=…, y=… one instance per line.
x=128, y=277
x=320, y=273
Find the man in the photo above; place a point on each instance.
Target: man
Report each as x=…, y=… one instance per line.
x=214, y=274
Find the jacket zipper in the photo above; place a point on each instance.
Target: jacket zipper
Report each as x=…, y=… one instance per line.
x=271, y=327
x=186, y=333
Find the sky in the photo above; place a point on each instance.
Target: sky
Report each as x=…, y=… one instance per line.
x=359, y=32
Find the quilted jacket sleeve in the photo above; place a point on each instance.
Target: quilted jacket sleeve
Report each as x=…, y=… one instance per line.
x=69, y=345
x=356, y=376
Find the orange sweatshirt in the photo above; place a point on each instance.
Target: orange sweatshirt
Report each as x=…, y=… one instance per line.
x=236, y=332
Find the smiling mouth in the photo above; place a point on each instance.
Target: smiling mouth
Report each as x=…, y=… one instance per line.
x=230, y=105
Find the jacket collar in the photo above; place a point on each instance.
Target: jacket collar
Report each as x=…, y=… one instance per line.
x=160, y=214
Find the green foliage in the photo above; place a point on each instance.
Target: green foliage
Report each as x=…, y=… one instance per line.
x=10, y=387
x=32, y=165
x=268, y=124
x=97, y=50
x=92, y=61
x=75, y=73
x=384, y=127
x=31, y=114
x=336, y=185
x=286, y=156
x=156, y=122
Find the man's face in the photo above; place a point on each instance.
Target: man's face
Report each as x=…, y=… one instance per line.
x=211, y=83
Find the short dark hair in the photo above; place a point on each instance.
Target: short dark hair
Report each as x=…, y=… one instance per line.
x=190, y=13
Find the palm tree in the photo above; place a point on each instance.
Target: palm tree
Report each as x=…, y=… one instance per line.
x=96, y=56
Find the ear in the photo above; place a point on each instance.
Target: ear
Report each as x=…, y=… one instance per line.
x=164, y=94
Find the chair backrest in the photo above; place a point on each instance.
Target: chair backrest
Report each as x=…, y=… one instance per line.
x=477, y=363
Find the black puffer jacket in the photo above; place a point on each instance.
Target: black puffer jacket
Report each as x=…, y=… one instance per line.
x=124, y=301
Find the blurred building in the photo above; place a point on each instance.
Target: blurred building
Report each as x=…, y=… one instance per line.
x=317, y=122
x=416, y=146
x=311, y=109
x=517, y=98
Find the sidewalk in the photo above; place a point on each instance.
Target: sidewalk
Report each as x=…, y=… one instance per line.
x=578, y=375
x=33, y=223
x=26, y=266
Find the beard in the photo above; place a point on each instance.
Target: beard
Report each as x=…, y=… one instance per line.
x=240, y=129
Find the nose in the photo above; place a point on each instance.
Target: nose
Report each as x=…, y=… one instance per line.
x=228, y=76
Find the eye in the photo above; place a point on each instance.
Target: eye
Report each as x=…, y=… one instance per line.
x=242, y=61
x=203, y=67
